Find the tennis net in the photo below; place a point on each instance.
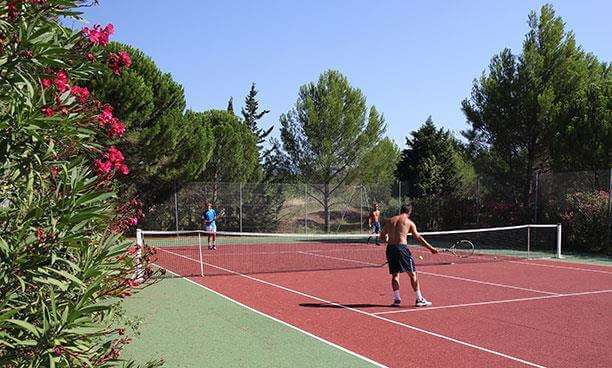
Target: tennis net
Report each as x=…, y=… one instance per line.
x=186, y=253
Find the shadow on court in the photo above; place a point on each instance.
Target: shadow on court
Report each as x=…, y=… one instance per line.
x=339, y=306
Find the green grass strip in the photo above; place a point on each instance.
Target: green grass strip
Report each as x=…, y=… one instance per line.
x=192, y=327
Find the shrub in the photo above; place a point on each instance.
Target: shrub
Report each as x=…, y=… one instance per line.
x=64, y=265
x=584, y=217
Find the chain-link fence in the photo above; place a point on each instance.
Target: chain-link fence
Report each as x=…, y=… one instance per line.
x=578, y=200
x=582, y=203
x=274, y=207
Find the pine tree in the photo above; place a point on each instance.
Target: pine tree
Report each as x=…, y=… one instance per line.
x=327, y=134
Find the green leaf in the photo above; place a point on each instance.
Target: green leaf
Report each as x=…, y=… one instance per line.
x=4, y=247
x=6, y=315
x=25, y=325
x=67, y=275
x=51, y=281
x=94, y=197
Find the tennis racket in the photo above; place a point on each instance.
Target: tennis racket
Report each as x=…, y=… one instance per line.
x=461, y=249
x=221, y=213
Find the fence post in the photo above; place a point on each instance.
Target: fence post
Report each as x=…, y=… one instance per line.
x=361, y=208
x=610, y=206
x=536, y=195
x=478, y=203
x=559, y=241
x=241, y=207
x=176, y=220
x=399, y=195
x=306, y=208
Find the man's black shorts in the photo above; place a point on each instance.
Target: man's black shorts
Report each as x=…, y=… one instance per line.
x=400, y=259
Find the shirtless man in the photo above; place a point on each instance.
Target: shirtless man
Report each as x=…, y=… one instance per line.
x=399, y=257
x=374, y=221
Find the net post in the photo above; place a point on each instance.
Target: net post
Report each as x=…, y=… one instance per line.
x=528, y=241
x=201, y=258
x=138, y=259
x=559, y=241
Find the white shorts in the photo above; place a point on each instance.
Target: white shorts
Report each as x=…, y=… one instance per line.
x=212, y=227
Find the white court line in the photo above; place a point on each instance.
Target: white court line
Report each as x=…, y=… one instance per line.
x=411, y=327
x=221, y=254
x=442, y=275
x=563, y=267
x=284, y=323
x=344, y=259
x=487, y=283
x=494, y=302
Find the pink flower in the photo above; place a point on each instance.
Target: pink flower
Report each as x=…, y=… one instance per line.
x=98, y=35
x=90, y=56
x=109, y=30
x=103, y=167
x=58, y=350
x=116, y=128
x=81, y=92
x=48, y=111
x=54, y=170
x=126, y=61
x=119, y=60
x=133, y=221
x=124, y=169
x=46, y=83
x=106, y=116
x=61, y=81
x=40, y=235
x=115, y=156
x=11, y=10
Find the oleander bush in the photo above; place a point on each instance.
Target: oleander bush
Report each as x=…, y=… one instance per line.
x=64, y=264
x=584, y=217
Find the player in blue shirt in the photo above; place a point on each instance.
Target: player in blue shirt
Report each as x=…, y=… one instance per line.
x=209, y=218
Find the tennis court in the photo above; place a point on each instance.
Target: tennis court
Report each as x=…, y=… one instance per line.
x=506, y=309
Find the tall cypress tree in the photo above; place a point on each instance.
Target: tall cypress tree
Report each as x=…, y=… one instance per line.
x=230, y=106
x=251, y=117
x=431, y=163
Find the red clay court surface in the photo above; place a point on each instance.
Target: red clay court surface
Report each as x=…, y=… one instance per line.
x=534, y=313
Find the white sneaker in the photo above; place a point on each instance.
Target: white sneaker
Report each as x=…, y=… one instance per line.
x=422, y=303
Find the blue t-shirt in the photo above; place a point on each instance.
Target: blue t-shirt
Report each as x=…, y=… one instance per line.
x=209, y=216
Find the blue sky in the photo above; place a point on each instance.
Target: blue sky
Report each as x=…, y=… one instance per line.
x=411, y=59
